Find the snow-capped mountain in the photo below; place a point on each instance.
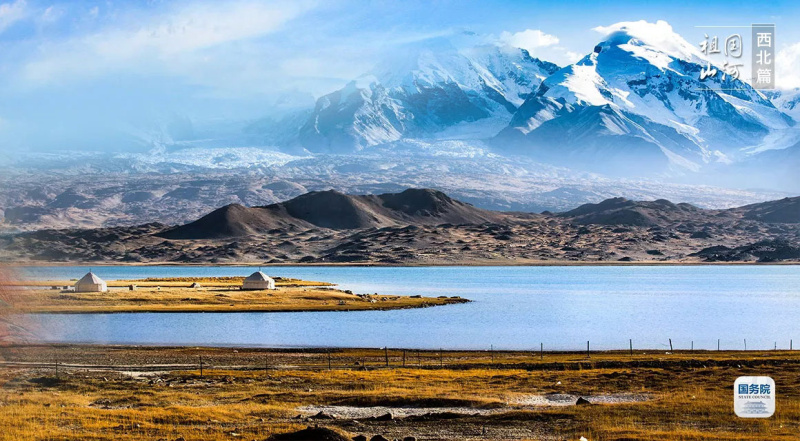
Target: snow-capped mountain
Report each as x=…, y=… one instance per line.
x=637, y=105
x=423, y=90
x=787, y=101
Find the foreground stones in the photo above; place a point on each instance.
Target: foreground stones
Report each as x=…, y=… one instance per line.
x=325, y=434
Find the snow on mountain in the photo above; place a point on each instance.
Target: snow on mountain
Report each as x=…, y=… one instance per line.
x=206, y=158
x=424, y=89
x=636, y=104
x=787, y=101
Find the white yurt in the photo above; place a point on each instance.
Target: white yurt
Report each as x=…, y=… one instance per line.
x=90, y=283
x=258, y=280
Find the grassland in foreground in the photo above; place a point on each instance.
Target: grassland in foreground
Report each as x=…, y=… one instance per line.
x=204, y=294
x=133, y=393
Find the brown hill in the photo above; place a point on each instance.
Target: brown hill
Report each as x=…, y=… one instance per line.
x=786, y=210
x=337, y=211
x=621, y=211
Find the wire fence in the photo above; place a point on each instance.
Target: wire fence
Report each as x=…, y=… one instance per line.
x=205, y=360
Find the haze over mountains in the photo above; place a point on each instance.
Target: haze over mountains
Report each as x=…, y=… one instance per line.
x=633, y=106
x=486, y=122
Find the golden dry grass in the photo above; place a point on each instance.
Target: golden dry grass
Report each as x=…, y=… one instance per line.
x=692, y=394
x=213, y=295
x=172, y=282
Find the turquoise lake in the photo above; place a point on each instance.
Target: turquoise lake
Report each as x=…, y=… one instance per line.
x=513, y=308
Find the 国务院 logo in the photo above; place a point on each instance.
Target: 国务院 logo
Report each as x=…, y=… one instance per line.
x=754, y=397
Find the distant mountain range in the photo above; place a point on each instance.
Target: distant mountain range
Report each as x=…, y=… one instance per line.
x=426, y=226
x=488, y=123
x=634, y=106
x=430, y=88
x=637, y=104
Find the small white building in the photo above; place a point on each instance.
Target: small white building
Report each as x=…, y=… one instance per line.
x=90, y=283
x=258, y=281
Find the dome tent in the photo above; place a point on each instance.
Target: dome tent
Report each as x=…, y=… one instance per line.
x=258, y=280
x=90, y=283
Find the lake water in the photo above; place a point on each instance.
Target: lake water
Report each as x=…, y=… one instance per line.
x=512, y=308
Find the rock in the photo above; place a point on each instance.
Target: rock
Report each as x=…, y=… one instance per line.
x=359, y=438
x=410, y=438
x=378, y=438
x=323, y=416
x=384, y=417
x=583, y=402
x=309, y=434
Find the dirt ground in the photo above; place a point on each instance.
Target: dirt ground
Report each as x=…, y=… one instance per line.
x=116, y=392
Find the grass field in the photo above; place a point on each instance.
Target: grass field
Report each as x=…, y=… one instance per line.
x=213, y=295
x=129, y=393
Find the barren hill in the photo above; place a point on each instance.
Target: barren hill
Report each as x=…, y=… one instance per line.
x=421, y=226
x=786, y=210
x=336, y=211
x=621, y=211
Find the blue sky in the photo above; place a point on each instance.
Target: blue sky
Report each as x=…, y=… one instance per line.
x=74, y=72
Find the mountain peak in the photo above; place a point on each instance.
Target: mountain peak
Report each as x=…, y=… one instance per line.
x=337, y=211
x=422, y=90
x=658, y=37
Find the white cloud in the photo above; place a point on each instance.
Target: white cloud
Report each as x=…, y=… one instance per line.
x=529, y=39
x=572, y=57
x=11, y=13
x=787, y=65
x=180, y=32
x=52, y=14
x=659, y=34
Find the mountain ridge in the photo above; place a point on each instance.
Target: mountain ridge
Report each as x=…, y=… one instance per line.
x=418, y=226
x=630, y=95
x=334, y=210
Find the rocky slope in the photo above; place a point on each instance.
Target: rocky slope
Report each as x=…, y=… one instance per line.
x=422, y=90
x=337, y=211
x=428, y=227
